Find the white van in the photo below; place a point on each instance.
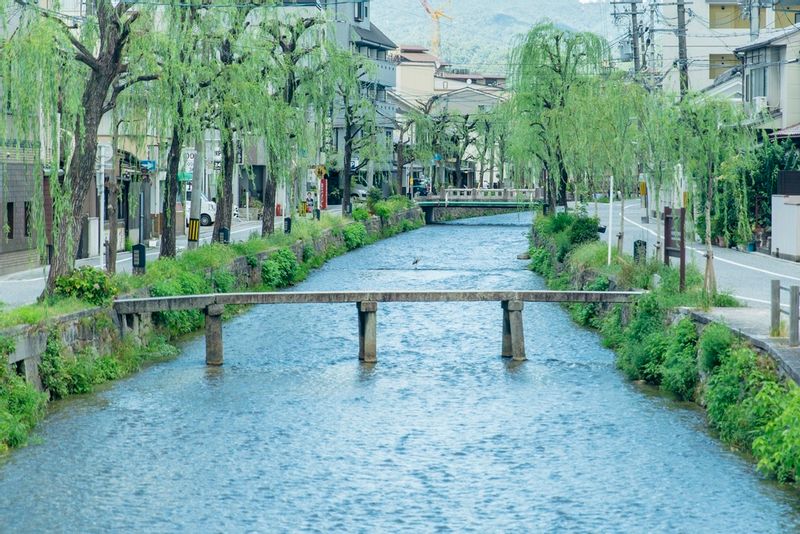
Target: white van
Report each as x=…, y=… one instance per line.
x=208, y=209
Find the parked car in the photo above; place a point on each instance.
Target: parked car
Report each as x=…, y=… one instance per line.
x=358, y=192
x=208, y=209
x=421, y=189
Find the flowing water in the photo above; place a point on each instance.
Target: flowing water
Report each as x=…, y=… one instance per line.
x=293, y=434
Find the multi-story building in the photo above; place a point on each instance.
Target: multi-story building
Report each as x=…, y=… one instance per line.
x=715, y=28
x=771, y=83
x=423, y=80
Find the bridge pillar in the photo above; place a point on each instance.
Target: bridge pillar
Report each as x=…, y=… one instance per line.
x=367, y=331
x=513, y=333
x=214, y=354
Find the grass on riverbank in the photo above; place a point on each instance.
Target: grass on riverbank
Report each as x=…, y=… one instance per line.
x=753, y=409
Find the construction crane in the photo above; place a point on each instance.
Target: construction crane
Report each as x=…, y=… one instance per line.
x=436, y=15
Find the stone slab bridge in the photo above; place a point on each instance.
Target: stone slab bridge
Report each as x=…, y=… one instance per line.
x=480, y=199
x=512, y=304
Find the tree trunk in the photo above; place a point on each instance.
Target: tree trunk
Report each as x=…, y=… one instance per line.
x=224, y=216
x=348, y=160
x=401, y=167
x=168, y=241
x=111, y=209
x=621, y=235
x=82, y=174
x=710, y=284
x=268, y=199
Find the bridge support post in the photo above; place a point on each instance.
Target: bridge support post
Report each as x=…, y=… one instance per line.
x=214, y=354
x=368, y=331
x=513, y=333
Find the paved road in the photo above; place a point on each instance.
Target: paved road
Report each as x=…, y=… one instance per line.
x=745, y=275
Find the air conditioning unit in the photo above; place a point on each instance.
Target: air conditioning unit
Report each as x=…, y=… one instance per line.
x=759, y=105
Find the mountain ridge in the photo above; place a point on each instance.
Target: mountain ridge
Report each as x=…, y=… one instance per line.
x=482, y=33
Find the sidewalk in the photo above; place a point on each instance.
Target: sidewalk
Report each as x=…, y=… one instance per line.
x=746, y=275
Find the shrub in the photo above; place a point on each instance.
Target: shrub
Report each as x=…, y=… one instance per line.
x=383, y=210
x=541, y=261
x=223, y=280
x=52, y=370
x=679, y=370
x=279, y=269
x=355, y=236
x=374, y=195
x=715, y=341
x=21, y=407
x=80, y=373
x=360, y=214
x=583, y=230
x=87, y=284
x=777, y=448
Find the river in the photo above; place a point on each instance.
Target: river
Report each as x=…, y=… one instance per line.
x=293, y=434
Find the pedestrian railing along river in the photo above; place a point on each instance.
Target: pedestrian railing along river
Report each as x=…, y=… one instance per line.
x=213, y=305
x=793, y=313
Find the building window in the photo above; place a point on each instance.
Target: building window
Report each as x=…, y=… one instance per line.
x=758, y=82
x=27, y=220
x=10, y=220
x=361, y=11
x=720, y=63
x=731, y=17
x=787, y=16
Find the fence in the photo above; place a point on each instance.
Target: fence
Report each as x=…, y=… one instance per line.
x=794, y=311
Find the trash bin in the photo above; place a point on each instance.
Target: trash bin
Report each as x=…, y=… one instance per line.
x=224, y=236
x=640, y=251
x=287, y=225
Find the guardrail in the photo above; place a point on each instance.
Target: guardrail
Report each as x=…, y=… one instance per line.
x=794, y=311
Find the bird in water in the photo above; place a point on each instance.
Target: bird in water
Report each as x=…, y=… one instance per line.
x=416, y=261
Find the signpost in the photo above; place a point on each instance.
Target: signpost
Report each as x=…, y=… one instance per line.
x=675, y=240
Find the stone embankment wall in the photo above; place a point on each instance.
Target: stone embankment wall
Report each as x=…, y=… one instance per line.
x=99, y=328
x=453, y=214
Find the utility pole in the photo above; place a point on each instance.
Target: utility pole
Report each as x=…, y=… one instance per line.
x=637, y=61
x=683, y=59
x=755, y=19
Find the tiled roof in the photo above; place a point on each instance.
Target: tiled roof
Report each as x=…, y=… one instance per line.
x=374, y=36
x=788, y=132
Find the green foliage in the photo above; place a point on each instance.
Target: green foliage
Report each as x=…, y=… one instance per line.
x=88, y=284
x=374, y=195
x=6, y=345
x=360, y=214
x=355, y=236
x=778, y=447
x=279, y=269
x=541, y=261
x=679, y=370
x=21, y=407
x=583, y=230
x=715, y=342
x=52, y=370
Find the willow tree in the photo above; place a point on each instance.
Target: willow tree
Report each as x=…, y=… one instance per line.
x=300, y=87
x=184, y=71
x=99, y=59
x=547, y=64
x=585, y=156
x=660, y=141
x=618, y=101
x=358, y=114
x=714, y=132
